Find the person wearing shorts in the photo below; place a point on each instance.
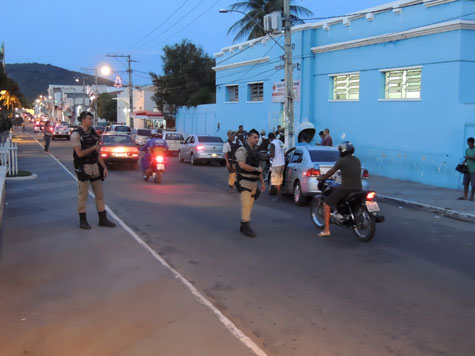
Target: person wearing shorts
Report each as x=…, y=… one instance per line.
x=277, y=154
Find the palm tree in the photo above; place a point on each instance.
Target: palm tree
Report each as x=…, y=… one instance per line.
x=255, y=11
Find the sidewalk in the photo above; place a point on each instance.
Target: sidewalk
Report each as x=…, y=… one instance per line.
x=67, y=291
x=438, y=200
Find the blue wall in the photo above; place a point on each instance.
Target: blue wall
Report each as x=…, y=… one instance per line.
x=419, y=140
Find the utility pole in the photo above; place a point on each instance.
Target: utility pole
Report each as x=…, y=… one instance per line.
x=289, y=77
x=130, y=87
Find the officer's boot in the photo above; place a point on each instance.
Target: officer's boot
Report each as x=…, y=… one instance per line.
x=246, y=229
x=83, y=224
x=103, y=221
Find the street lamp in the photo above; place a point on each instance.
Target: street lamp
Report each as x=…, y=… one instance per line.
x=105, y=70
x=289, y=81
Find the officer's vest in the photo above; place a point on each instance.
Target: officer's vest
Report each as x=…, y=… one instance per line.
x=88, y=139
x=253, y=160
x=234, y=147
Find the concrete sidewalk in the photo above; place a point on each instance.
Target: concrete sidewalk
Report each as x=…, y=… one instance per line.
x=438, y=200
x=66, y=291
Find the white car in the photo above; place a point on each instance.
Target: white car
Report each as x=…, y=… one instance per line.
x=61, y=131
x=118, y=130
x=141, y=136
x=174, y=140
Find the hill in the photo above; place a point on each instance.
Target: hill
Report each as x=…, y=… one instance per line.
x=34, y=78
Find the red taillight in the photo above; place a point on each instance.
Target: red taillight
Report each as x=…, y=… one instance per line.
x=200, y=148
x=159, y=159
x=365, y=174
x=312, y=172
x=104, y=154
x=370, y=196
x=135, y=154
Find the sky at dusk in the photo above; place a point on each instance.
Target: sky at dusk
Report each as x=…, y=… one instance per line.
x=79, y=34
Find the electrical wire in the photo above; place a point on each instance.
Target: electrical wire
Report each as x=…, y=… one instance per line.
x=160, y=25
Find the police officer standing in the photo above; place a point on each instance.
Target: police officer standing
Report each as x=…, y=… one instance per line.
x=89, y=167
x=229, y=149
x=248, y=173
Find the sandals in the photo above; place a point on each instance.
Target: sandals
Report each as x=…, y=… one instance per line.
x=324, y=234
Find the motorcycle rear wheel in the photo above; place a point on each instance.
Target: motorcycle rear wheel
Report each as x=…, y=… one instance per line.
x=316, y=212
x=365, y=224
x=158, y=178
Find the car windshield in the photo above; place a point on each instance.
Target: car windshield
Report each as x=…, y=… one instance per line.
x=324, y=155
x=209, y=139
x=144, y=132
x=122, y=129
x=174, y=136
x=117, y=140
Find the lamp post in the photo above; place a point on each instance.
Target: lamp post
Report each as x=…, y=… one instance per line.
x=289, y=82
x=105, y=70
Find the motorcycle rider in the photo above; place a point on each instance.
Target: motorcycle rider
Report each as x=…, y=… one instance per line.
x=155, y=145
x=350, y=167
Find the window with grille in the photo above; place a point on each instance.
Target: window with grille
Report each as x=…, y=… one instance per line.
x=403, y=84
x=346, y=87
x=256, y=91
x=232, y=93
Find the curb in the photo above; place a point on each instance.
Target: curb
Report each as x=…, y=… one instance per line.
x=33, y=176
x=433, y=209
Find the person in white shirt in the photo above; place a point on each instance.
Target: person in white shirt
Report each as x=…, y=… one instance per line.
x=278, y=164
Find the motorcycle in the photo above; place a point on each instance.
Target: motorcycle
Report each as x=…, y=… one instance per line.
x=358, y=211
x=156, y=168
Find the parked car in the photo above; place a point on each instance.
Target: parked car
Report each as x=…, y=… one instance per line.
x=141, y=136
x=118, y=130
x=99, y=129
x=119, y=149
x=201, y=148
x=303, y=164
x=174, y=140
x=61, y=131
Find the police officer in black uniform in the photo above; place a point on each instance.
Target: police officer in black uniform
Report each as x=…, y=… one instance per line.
x=90, y=168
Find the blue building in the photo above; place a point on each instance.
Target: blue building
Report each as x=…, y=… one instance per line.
x=397, y=80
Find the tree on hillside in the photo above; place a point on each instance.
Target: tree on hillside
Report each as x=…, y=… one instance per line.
x=255, y=11
x=188, y=78
x=11, y=87
x=107, y=107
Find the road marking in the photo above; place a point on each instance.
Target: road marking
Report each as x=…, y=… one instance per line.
x=233, y=329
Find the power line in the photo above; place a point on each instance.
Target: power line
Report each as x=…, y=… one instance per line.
x=171, y=26
x=161, y=24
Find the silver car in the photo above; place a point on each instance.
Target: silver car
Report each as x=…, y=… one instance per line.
x=201, y=148
x=141, y=136
x=303, y=165
x=174, y=140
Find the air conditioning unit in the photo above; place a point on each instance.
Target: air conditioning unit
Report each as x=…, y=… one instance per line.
x=273, y=22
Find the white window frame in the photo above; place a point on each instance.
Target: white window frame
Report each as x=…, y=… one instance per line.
x=404, y=84
x=226, y=96
x=347, y=89
x=249, y=97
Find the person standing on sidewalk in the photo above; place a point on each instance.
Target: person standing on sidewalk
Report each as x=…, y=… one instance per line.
x=327, y=139
x=229, y=149
x=278, y=164
x=90, y=168
x=47, y=134
x=248, y=173
x=469, y=177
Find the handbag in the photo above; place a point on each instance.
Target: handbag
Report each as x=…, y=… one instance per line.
x=462, y=168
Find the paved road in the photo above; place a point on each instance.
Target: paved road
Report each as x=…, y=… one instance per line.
x=408, y=292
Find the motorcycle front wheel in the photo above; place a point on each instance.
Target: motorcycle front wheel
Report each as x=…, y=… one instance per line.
x=316, y=212
x=364, y=225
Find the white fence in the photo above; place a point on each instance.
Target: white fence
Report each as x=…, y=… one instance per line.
x=9, y=157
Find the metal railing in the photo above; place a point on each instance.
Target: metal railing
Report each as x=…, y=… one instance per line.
x=9, y=157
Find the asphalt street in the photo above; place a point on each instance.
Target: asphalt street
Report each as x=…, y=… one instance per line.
x=408, y=292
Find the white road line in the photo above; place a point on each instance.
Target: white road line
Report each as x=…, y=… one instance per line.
x=233, y=329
